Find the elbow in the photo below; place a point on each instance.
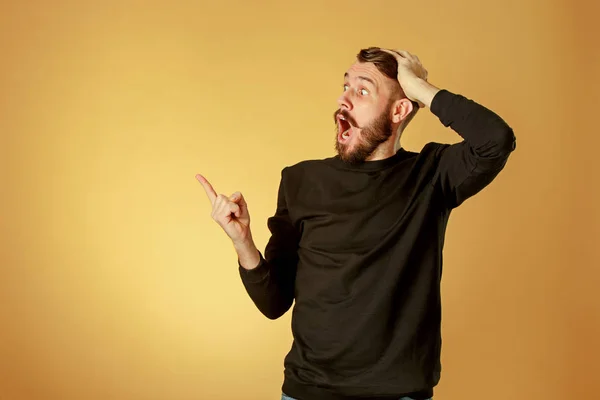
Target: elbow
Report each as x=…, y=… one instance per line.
x=505, y=141
x=502, y=142
x=508, y=140
x=274, y=313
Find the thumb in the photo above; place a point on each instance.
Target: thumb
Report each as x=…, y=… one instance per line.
x=238, y=198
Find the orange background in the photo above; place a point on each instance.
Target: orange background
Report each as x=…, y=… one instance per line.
x=115, y=283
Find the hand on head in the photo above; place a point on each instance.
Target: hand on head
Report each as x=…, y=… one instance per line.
x=410, y=70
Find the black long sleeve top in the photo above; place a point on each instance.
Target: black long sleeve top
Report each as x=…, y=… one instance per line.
x=358, y=249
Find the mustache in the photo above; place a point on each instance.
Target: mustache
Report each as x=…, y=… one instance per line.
x=347, y=116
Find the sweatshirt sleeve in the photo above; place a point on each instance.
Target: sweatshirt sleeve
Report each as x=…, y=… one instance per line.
x=271, y=284
x=467, y=167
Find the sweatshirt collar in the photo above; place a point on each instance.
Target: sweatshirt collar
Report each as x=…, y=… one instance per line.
x=370, y=165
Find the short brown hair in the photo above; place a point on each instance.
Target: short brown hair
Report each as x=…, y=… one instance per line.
x=387, y=65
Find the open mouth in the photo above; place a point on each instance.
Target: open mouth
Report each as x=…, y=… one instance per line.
x=344, y=129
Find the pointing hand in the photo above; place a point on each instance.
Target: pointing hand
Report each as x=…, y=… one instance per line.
x=231, y=213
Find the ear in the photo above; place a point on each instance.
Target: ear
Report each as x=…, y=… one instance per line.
x=401, y=109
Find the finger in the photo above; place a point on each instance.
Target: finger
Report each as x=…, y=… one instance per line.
x=238, y=198
x=220, y=206
x=235, y=210
x=226, y=208
x=221, y=211
x=392, y=52
x=408, y=55
x=402, y=56
x=403, y=53
x=235, y=197
x=210, y=192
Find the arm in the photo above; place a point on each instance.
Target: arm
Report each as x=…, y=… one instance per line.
x=464, y=168
x=467, y=167
x=271, y=279
x=270, y=282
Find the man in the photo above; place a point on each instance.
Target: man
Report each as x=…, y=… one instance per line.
x=356, y=239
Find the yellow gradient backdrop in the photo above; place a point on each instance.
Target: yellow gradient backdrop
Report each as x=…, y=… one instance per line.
x=115, y=283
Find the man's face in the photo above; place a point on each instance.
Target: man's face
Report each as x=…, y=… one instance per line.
x=363, y=120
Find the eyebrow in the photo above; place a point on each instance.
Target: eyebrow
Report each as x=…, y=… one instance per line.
x=364, y=78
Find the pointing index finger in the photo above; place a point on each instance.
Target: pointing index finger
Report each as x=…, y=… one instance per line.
x=210, y=192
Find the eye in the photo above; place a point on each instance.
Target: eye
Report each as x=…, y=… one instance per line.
x=362, y=92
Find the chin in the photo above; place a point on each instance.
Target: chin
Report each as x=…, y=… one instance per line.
x=350, y=156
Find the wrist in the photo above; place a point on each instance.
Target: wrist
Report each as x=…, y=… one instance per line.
x=423, y=91
x=247, y=253
x=244, y=243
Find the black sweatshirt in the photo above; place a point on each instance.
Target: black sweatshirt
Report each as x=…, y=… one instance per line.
x=359, y=249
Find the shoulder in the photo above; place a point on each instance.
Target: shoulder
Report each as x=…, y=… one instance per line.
x=433, y=149
x=300, y=168
x=430, y=154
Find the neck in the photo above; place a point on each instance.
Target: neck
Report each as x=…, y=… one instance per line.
x=387, y=148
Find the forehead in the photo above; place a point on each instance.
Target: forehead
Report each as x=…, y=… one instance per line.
x=366, y=71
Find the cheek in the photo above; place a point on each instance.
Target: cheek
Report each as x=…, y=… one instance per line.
x=363, y=117
x=366, y=114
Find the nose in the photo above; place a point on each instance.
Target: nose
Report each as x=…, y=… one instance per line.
x=344, y=101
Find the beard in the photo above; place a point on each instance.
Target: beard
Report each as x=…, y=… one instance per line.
x=369, y=138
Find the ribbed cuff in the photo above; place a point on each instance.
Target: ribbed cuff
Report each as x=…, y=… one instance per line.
x=441, y=101
x=257, y=274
